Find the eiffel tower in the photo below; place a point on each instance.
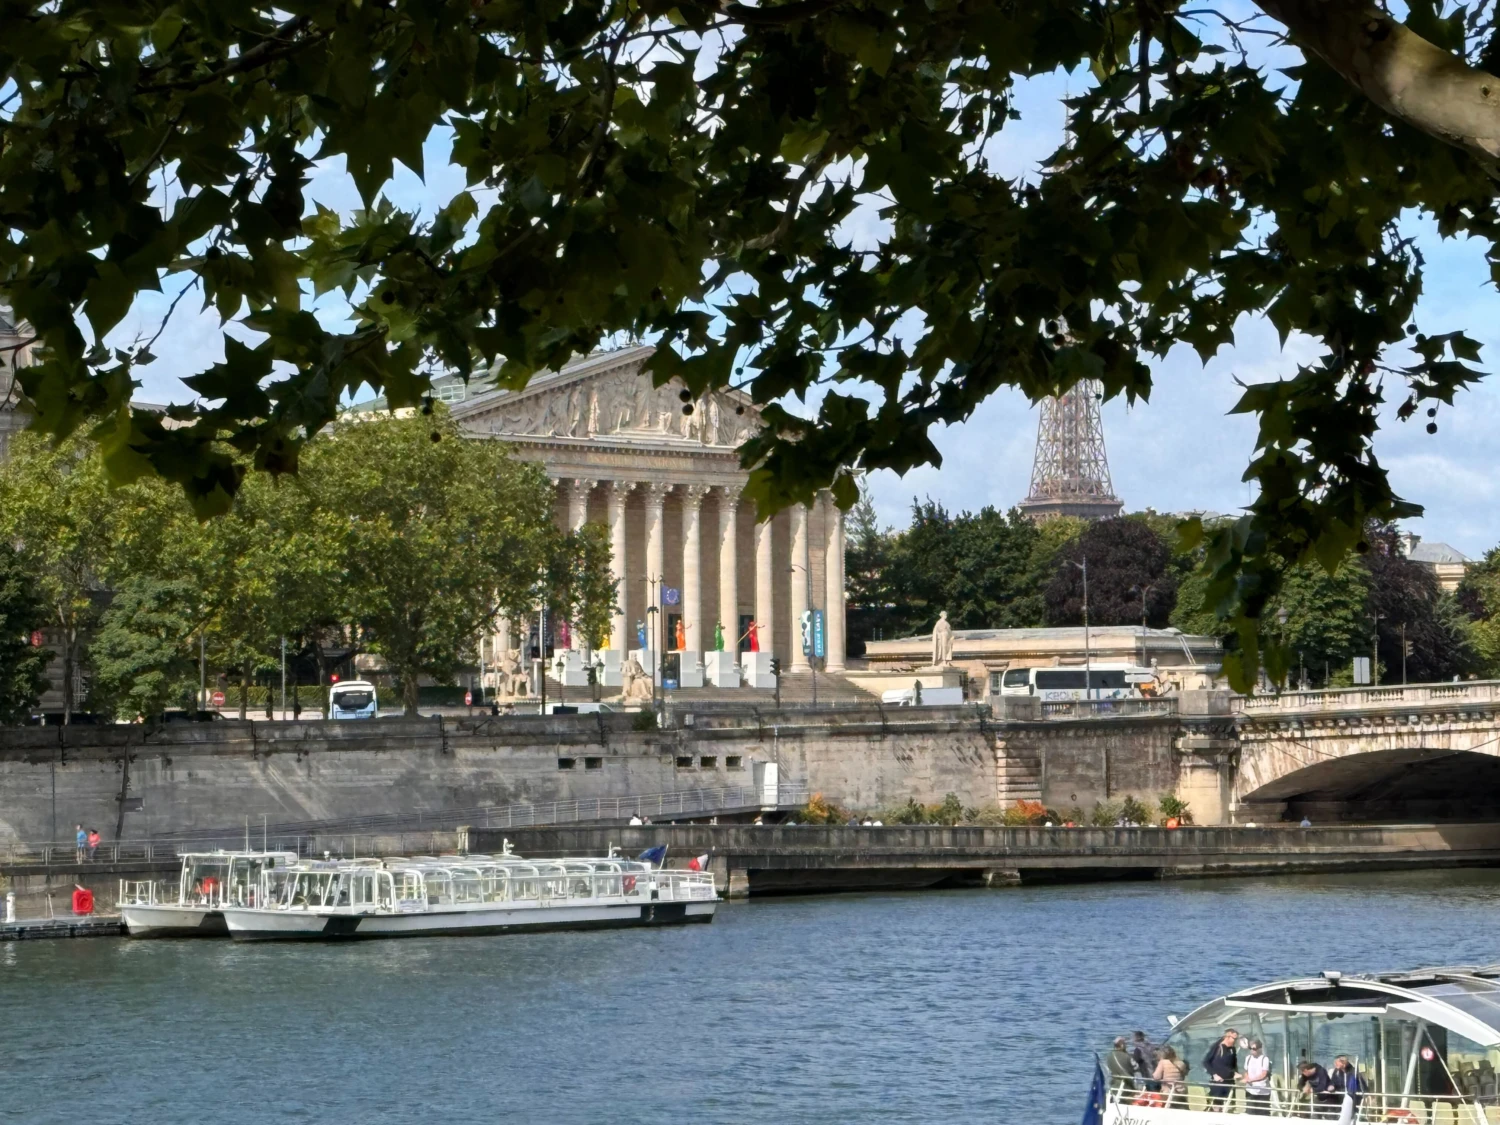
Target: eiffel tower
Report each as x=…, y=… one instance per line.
x=1070, y=476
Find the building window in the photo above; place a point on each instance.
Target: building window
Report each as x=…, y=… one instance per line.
x=456, y=391
x=708, y=762
x=685, y=762
x=566, y=763
x=734, y=762
x=593, y=763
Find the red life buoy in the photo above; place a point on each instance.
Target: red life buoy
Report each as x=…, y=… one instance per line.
x=83, y=900
x=629, y=884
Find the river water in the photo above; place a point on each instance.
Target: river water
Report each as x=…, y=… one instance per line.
x=947, y=1006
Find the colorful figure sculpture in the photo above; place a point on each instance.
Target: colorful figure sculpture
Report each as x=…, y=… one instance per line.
x=718, y=636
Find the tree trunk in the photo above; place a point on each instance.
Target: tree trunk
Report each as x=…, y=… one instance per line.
x=244, y=689
x=410, y=693
x=1405, y=75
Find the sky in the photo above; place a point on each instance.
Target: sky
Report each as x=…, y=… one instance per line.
x=1181, y=451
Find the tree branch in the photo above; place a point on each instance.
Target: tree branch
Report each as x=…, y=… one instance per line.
x=1405, y=75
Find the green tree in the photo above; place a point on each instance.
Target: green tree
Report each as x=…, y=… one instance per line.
x=1478, y=599
x=974, y=565
x=58, y=508
x=1327, y=619
x=1406, y=606
x=143, y=654
x=441, y=534
x=23, y=665
x=1128, y=563
x=686, y=171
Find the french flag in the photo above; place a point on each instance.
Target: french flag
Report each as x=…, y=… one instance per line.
x=698, y=863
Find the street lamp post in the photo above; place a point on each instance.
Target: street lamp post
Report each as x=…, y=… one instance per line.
x=1281, y=619
x=1403, y=654
x=653, y=614
x=1375, y=652
x=1088, y=659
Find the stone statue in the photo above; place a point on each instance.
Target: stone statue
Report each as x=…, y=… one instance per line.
x=942, y=642
x=513, y=681
x=752, y=638
x=635, y=685
x=718, y=636
x=640, y=634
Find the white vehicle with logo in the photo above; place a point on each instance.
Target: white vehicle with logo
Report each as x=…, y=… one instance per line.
x=353, y=699
x=1098, y=681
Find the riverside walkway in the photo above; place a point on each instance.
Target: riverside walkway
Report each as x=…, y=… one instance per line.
x=754, y=859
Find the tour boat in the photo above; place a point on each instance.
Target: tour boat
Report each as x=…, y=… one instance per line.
x=207, y=883
x=471, y=895
x=1425, y=1045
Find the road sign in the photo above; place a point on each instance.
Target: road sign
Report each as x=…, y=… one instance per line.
x=36, y=638
x=1361, y=669
x=670, y=595
x=468, y=699
x=819, y=640
x=217, y=699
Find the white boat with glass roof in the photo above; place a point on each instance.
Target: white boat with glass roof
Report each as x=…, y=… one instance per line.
x=431, y=895
x=207, y=883
x=1425, y=1046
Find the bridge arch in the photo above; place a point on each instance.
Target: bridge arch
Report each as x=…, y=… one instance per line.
x=1406, y=784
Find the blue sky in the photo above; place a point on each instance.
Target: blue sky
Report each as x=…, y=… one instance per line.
x=1179, y=451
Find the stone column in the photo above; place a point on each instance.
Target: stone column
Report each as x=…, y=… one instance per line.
x=801, y=579
x=578, y=515
x=619, y=630
x=765, y=588
x=692, y=572
x=656, y=568
x=729, y=568
x=833, y=595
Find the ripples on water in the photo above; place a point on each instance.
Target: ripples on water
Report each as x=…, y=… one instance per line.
x=960, y=1006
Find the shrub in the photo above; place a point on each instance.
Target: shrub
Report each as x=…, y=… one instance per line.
x=1106, y=814
x=1025, y=813
x=1134, y=811
x=1173, y=806
x=950, y=812
x=820, y=810
x=643, y=721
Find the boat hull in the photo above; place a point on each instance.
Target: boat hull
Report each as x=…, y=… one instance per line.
x=172, y=921
x=293, y=925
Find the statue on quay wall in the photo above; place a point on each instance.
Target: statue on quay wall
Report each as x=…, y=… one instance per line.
x=513, y=681
x=635, y=685
x=942, y=642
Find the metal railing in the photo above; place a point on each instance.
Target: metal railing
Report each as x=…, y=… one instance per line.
x=1365, y=698
x=370, y=835
x=1100, y=708
x=1285, y=1101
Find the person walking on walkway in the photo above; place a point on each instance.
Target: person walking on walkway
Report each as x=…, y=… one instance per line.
x=93, y=843
x=1223, y=1065
x=1257, y=1081
x=82, y=842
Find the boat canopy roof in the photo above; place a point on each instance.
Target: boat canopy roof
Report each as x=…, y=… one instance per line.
x=1463, y=999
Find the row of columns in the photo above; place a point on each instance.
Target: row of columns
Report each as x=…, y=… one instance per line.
x=692, y=496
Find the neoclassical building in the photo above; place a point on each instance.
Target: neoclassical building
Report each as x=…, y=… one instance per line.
x=661, y=470
x=13, y=353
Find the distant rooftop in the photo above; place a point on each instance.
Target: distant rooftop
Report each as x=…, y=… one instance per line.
x=1430, y=552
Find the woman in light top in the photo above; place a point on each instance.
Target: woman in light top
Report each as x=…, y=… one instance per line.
x=1172, y=1074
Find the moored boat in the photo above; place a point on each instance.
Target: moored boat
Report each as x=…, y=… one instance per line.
x=207, y=883
x=1420, y=1046
x=473, y=895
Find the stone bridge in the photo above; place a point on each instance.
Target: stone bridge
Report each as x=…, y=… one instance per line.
x=1421, y=752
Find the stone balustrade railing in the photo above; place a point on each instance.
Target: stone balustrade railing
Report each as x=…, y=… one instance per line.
x=1372, y=698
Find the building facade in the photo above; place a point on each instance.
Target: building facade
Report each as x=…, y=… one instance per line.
x=14, y=350
x=660, y=469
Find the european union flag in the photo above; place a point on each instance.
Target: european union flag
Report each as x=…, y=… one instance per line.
x=1094, y=1115
x=654, y=856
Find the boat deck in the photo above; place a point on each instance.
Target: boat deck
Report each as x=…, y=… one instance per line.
x=94, y=925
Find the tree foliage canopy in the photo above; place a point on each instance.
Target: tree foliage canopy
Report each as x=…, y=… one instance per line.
x=23, y=666
x=1129, y=570
x=688, y=172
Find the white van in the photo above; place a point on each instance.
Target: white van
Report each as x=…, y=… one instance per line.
x=353, y=699
x=1100, y=681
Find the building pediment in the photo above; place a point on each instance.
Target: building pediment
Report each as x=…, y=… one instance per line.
x=606, y=398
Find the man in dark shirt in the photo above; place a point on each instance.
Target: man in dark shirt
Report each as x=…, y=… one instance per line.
x=1144, y=1055
x=1316, y=1081
x=1222, y=1064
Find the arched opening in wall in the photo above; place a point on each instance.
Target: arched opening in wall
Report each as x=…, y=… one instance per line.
x=1383, y=787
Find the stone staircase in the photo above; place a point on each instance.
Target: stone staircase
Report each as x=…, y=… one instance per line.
x=1018, y=777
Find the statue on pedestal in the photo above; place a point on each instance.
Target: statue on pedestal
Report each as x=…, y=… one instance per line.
x=640, y=635
x=512, y=680
x=942, y=642
x=718, y=636
x=635, y=685
x=681, y=637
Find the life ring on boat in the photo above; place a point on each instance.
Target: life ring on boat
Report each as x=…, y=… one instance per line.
x=1151, y=1098
x=1400, y=1115
x=630, y=884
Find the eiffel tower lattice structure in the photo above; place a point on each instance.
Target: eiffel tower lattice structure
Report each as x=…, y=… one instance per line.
x=1070, y=476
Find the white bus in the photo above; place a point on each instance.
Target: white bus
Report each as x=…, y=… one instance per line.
x=353, y=699
x=1100, y=681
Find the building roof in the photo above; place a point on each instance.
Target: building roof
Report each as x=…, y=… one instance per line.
x=1427, y=551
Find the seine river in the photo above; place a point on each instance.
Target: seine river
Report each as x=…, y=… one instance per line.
x=959, y=1006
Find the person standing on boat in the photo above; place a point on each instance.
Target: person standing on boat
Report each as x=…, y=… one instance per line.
x=1317, y=1082
x=1257, y=1081
x=1170, y=1076
x=1119, y=1064
x=1345, y=1080
x=1143, y=1053
x=1223, y=1065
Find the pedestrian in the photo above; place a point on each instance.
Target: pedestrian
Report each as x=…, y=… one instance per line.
x=1143, y=1053
x=1223, y=1065
x=635, y=820
x=93, y=843
x=1119, y=1063
x=1346, y=1083
x=82, y=841
x=1257, y=1081
x=1305, y=823
x=1313, y=1078
x=1170, y=1076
